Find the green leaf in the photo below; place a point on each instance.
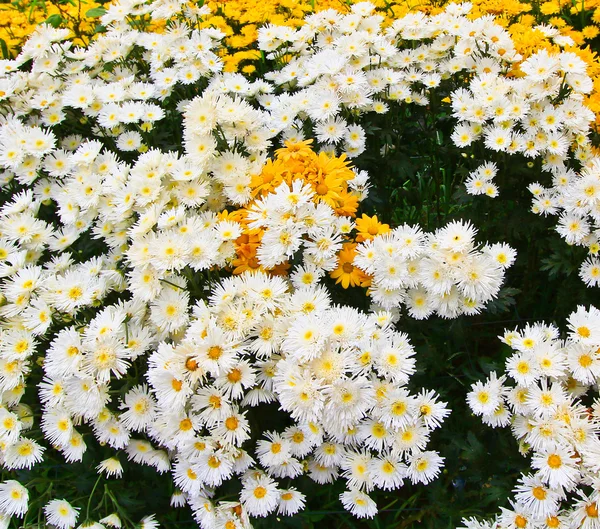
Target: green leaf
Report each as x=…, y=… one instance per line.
x=54, y=20
x=505, y=300
x=4, y=49
x=95, y=12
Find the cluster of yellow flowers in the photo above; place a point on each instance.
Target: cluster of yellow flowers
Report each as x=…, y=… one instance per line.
x=19, y=19
x=532, y=26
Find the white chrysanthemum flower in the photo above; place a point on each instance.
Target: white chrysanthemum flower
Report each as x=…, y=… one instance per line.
x=260, y=495
x=484, y=399
x=358, y=503
x=111, y=467
x=538, y=498
x=169, y=311
x=424, y=467
x=14, y=498
x=291, y=502
x=61, y=514
x=112, y=520
x=557, y=466
x=590, y=272
x=139, y=408
x=23, y=454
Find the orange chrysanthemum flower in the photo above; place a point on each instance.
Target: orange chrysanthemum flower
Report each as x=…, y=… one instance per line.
x=369, y=227
x=346, y=273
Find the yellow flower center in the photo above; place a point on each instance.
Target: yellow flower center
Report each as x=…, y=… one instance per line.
x=539, y=493
x=583, y=331
x=554, y=461
x=592, y=510
x=185, y=425
x=215, y=352
x=231, y=423
x=260, y=492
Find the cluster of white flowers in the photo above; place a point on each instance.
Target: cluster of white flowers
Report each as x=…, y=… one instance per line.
x=153, y=214
x=575, y=197
x=442, y=272
x=481, y=180
x=339, y=375
x=539, y=114
x=348, y=62
x=292, y=220
x=554, y=412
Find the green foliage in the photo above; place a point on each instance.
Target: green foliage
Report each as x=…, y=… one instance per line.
x=54, y=20
x=4, y=48
x=95, y=12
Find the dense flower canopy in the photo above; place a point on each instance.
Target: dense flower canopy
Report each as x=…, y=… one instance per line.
x=179, y=241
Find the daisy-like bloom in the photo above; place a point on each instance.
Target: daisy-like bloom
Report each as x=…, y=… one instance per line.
x=260, y=495
x=112, y=520
x=457, y=236
x=590, y=272
x=501, y=253
x=584, y=325
x=585, y=513
x=557, y=466
x=584, y=363
x=214, y=467
x=538, y=498
x=291, y=501
x=523, y=368
x=234, y=430
x=497, y=138
x=516, y=517
x=540, y=66
x=169, y=311
x=61, y=514
x=573, y=228
x=431, y=411
x=347, y=401
x=23, y=454
x=177, y=499
x=545, y=399
x=423, y=467
x=10, y=426
x=111, y=467
x=398, y=408
x=358, y=503
x=149, y=522
x=388, y=472
x=305, y=338
x=139, y=408
x=484, y=399
x=274, y=451
x=14, y=498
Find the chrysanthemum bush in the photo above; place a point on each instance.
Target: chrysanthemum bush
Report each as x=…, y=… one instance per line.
x=353, y=64
x=200, y=287
x=549, y=398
